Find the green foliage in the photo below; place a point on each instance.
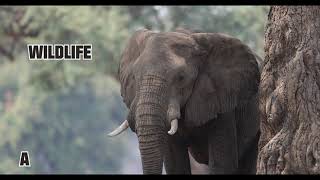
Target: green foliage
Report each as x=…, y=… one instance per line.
x=246, y=22
x=61, y=111
x=64, y=132
x=75, y=123
x=104, y=29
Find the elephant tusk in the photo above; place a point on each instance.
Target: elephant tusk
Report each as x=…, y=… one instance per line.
x=119, y=129
x=174, y=127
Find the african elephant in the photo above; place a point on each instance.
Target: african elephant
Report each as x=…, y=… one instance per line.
x=191, y=92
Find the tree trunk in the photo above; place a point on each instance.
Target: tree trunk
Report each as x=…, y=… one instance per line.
x=290, y=92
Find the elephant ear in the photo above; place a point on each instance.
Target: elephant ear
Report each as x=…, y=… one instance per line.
x=132, y=51
x=228, y=77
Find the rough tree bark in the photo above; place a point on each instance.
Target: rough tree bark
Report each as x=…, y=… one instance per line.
x=290, y=92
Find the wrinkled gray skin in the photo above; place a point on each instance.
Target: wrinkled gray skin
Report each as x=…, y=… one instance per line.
x=208, y=81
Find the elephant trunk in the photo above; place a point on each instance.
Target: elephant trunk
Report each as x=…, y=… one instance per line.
x=150, y=123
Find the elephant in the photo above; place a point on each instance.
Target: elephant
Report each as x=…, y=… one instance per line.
x=191, y=93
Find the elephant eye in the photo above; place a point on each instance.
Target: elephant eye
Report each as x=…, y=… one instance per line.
x=182, y=49
x=181, y=46
x=180, y=78
x=184, y=46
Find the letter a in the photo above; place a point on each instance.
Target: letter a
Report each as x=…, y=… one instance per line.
x=24, y=159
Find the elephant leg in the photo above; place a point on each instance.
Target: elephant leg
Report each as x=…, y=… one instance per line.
x=248, y=136
x=223, y=151
x=248, y=161
x=177, y=158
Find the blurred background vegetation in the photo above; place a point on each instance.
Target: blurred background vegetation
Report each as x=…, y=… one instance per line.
x=61, y=112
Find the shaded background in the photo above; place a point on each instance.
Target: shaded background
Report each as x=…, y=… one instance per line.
x=61, y=112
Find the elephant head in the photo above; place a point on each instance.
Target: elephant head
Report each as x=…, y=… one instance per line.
x=181, y=77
